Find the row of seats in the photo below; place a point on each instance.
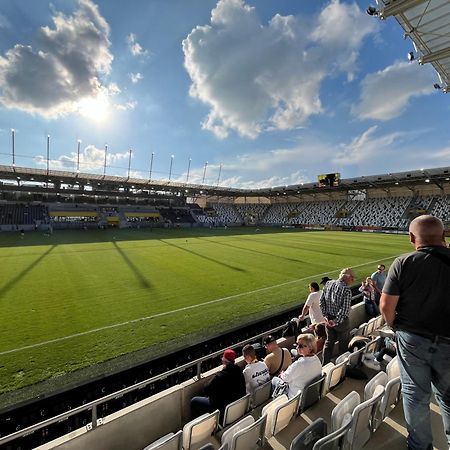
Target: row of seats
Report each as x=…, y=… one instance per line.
x=353, y=418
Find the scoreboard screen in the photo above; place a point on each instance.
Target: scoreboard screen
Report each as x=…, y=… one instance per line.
x=329, y=180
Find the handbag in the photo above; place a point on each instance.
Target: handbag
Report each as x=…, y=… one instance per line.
x=280, y=389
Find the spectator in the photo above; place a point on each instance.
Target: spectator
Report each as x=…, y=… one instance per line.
x=225, y=387
x=312, y=306
x=255, y=372
x=335, y=304
x=319, y=331
x=379, y=278
x=324, y=280
x=277, y=359
x=303, y=371
x=368, y=290
x=415, y=301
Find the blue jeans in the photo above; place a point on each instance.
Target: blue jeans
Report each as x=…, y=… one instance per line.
x=371, y=309
x=424, y=366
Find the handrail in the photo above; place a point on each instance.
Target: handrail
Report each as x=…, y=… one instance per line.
x=93, y=404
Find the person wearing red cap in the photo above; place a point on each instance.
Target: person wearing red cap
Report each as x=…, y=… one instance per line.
x=225, y=387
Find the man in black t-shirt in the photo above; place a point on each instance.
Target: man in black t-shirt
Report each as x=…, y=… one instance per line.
x=416, y=301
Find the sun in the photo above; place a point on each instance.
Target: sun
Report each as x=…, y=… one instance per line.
x=95, y=108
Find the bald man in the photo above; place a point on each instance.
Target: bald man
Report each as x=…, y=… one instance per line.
x=416, y=302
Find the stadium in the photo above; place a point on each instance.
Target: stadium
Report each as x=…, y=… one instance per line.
x=120, y=294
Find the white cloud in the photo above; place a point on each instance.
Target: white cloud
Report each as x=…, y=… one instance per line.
x=135, y=77
x=91, y=159
x=256, y=77
x=4, y=23
x=126, y=106
x=63, y=68
x=387, y=93
x=367, y=146
x=134, y=46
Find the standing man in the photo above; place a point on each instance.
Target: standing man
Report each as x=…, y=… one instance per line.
x=379, y=278
x=335, y=303
x=416, y=302
x=312, y=306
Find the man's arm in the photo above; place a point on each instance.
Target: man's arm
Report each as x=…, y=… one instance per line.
x=305, y=311
x=388, y=306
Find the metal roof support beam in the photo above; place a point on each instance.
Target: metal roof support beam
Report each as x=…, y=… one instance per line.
x=399, y=7
x=434, y=56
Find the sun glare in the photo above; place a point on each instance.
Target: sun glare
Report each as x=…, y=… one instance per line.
x=95, y=108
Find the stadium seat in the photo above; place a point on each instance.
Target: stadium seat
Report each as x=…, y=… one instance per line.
x=390, y=399
x=234, y=411
x=171, y=441
x=247, y=434
x=355, y=358
x=334, y=374
x=380, y=379
x=362, y=420
x=310, y=435
x=200, y=429
x=336, y=440
x=261, y=394
x=311, y=394
x=280, y=414
x=371, y=326
x=345, y=407
x=393, y=369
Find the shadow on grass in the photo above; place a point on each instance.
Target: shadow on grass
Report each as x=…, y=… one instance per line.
x=141, y=279
x=11, y=283
x=237, y=269
x=273, y=255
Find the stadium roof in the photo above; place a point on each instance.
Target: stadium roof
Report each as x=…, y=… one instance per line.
x=100, y=184
x=427, y=24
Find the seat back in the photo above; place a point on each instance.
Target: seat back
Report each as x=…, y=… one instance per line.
x=371, y=326
x=282, y=415
x=362, y=426
x=341, y=358
x=311, y=394
x=337, y=439
x=234, y=411
x=379, y=322
x=168, y=442
x=344, y=408
x=372, y=346
x=227, y=436
x=200, y=429
x=354, y=359
x=269, y=410
x=380, y=379
x=261, y=394
x=310, y=435
x=334, y=374
x=393, y=369
x=361, y=331
x=390, y=399
x=251, y=437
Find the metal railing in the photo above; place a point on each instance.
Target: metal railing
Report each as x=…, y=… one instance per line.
x=93, y=405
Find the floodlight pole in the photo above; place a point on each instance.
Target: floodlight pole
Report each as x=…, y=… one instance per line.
x=151, y=166
x=78, y=155
x=13, y=137
x=220, y=171
x=171, y=164
x=204, y=172
x=189, y=168
x=129, y=164
x=48, y=153
x=104, y=165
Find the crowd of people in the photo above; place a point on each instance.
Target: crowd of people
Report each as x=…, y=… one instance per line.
x=413, y=298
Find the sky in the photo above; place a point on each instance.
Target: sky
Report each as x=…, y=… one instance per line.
x=247, y=94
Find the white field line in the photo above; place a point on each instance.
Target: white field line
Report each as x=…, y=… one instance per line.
x=175, y=311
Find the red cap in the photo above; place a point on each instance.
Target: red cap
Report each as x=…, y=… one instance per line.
x=229, y=355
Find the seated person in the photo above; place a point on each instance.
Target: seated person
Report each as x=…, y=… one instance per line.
x=321, y=335
x=225, y=387
x=255, y=372
x=306, y=369
x=277, y=359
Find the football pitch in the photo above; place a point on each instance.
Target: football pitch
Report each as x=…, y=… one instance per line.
x=78, y=298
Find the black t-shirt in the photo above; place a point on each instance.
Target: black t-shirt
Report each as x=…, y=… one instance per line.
x=422, y=281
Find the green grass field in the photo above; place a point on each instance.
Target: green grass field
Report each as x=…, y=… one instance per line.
x=78, y=298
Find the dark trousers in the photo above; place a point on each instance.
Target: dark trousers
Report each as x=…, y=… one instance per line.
x=339, y=333
x=200, y=405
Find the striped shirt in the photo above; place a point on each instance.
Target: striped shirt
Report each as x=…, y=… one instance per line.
x=336, y=300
